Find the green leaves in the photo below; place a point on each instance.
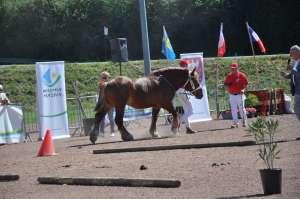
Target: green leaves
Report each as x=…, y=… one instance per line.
x=264, y=132
x=251, y=100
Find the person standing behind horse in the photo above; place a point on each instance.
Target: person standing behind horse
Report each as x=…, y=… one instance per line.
x=186, y=104
x=294, y=77
x=104, y=78
x=236, y=83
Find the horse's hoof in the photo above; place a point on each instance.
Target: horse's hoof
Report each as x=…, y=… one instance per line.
x=128, y=137
x=93, y=139
x=174, y=130
x=155, y=135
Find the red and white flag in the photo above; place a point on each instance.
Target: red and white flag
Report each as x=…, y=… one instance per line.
x=221, y=44
x=255, y=39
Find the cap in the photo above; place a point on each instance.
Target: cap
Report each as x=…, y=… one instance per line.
x=234, y=65
x=183, y=63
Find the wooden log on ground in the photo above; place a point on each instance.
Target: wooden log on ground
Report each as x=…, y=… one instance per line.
x=162, y=183
x=8, y=177
x=174, y=147
x=187, y=146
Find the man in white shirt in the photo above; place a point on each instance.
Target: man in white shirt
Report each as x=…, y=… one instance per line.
x=186, y=104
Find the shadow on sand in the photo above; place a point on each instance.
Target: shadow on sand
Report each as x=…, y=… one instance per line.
x=118, y=141
x=241, y=197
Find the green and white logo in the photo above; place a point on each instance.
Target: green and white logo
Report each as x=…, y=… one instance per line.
x=51, y=77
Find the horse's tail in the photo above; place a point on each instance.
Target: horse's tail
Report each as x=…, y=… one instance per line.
x=99, y=102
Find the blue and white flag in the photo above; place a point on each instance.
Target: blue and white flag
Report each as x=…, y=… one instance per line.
x=166, y=47
x=254, y=38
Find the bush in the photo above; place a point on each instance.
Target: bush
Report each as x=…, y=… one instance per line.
x=252, y=100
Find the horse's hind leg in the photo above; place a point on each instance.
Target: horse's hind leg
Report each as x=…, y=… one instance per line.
x=152, y=130
x=99, y=116
x=175, y=123
x=125, y=135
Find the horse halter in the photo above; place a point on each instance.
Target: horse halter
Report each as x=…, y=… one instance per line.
x=189, y=80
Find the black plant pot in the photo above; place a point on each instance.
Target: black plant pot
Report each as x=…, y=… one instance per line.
x=271, y=181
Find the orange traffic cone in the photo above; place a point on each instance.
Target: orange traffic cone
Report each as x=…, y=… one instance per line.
x=47, y=147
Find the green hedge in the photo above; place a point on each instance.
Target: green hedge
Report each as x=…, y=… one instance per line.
x=20, y=82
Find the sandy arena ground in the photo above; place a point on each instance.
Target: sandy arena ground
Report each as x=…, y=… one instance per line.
x=214, y=173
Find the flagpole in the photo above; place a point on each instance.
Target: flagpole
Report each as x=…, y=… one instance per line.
x=222, y=49
x=253, y=52
x=217, y=93
x=221, y=39
x=145, y=39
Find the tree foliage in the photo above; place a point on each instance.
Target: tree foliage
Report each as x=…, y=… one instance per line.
x=73, y=29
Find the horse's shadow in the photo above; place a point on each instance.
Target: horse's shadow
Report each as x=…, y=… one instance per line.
x=139, y=139
x=119, y=141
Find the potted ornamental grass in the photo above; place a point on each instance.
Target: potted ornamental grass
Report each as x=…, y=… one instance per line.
x=264, y=131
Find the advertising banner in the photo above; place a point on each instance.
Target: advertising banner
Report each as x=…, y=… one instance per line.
x=11, y=124
x=132, y=113
x=51, y=99
x=200, y=106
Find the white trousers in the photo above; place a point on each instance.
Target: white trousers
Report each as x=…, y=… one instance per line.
x=187, y=107
x=237, y=103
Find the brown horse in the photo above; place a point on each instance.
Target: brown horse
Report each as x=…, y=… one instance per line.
x=156, y=90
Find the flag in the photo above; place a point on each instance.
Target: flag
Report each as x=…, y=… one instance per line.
x=166, y=47
x=221, y=44
x=255, y=39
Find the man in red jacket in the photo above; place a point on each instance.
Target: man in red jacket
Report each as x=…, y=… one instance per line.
x=236, y=83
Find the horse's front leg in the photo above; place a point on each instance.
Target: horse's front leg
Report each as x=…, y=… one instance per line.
x=125, y=135
x=152, y=130
x=175, y=123
x=99, y=116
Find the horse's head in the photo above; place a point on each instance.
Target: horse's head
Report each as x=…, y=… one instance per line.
x=192, y=84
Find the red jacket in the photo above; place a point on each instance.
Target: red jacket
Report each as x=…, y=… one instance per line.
x=236, y=82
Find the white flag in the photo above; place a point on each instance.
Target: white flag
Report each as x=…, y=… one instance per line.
x=105, y=30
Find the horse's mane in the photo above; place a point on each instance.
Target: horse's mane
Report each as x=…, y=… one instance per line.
x=167, y=71
x=173, y=72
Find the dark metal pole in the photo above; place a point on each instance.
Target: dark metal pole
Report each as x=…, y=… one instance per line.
x=145, y=39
